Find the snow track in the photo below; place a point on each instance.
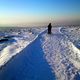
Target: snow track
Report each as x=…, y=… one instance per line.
x=44, y=58
x=29, y=64
x=58, y=54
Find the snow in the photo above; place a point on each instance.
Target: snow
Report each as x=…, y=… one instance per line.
x=11, y=50
x=43, y=56
x=29, y=64
x=60, y=53
x=22, y=38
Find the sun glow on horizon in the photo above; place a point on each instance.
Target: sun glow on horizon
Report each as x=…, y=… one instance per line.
x=30, y=12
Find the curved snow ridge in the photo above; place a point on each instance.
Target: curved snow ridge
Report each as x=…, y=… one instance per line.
x=75, y=56
x=30, y=66
x=58, y=56
x=73, y=50
x=11, y=50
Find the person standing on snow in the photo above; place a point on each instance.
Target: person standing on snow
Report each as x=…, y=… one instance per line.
x=49, y=28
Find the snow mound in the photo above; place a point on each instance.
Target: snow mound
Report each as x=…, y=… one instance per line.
x=61, y=54
x=22, y=36
x=30, y=64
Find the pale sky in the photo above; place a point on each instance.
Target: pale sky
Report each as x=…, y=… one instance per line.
x=37, y=12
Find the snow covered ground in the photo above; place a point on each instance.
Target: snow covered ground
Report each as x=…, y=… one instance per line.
x=47, y=57
x=29, y=64
x=61, y=53
x=21, y=38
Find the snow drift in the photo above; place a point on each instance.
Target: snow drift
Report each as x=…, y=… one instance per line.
x=61, y=54
x=57, y=53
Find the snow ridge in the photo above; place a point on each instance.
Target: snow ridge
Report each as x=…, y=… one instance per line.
x=58, y=53
x=24, y=39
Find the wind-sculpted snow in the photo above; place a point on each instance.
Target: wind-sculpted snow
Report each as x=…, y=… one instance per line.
x=30, y=64
x=61, y=50
x=21, y=38
x=62, y=55
x=73, y=36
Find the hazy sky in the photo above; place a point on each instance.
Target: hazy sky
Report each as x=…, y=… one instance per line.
x=36, y=12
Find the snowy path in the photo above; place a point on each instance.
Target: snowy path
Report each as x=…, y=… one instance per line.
x=44, y=56
x=30, y=64
x=57, y=54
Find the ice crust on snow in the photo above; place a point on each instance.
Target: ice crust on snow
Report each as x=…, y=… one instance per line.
x=21, y=36
x=61, y=49
x=61, y=53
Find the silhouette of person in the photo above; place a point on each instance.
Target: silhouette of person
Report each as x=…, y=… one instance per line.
x=49, y=28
